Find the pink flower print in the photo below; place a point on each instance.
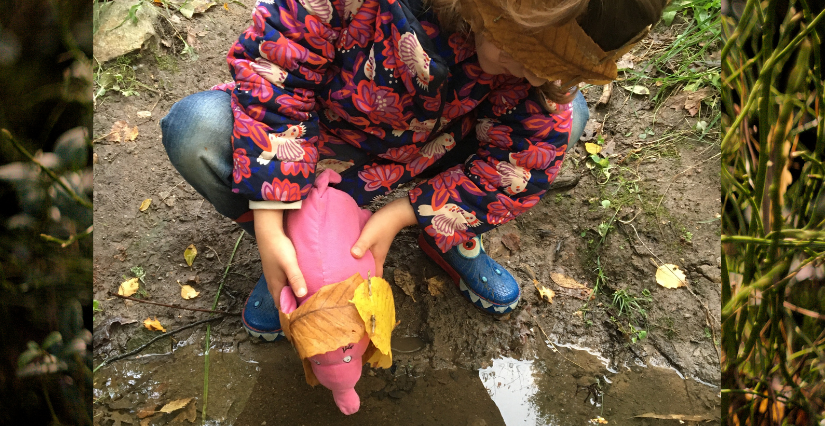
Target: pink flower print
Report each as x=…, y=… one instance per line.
x=489, y=176
x=506, y=209
x=438, y=146
x=412, y=54
x=322, y=9
x=403, y=154
x=432, y=103
x=286, y=146
x=506, y=98
x=377, y=176
x=491, y=132
x=422, y=126
x=414, y=194
x=351, y=7
x=552, y=171
x=538, y=156
x=299, y=168
x=515, y=178
x=446, y=183
x=359, y=32
x=446, y=242
x=258, y=23
x=247, y=127
x=431, y=30
x=240, y=165
x=280, y=190
x=542, y=125
x=320, y=37
x=351, y=137
x=250, y=82
x=293, y=27
x=459, y=107
x=449, y=218
x=474, y=71
x=293, y=107
x=369, y=66
x=462, y=45
x=380, y=103
x=284, y=52
x=269, y=71
x=419, y=164
x=564, y=120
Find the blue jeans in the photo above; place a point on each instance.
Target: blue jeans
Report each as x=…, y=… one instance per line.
x=197, y=133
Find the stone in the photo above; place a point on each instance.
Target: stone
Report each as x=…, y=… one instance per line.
x=113, y=40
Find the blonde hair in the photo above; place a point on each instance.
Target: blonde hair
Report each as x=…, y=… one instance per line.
x=451, y=19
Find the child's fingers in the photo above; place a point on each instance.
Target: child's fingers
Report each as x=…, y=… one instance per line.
x=295, y=279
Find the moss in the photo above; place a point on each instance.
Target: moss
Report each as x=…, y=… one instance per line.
x=167, y=63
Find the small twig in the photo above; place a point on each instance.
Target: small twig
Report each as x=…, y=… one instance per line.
x=72, y=239
x=211, y=311
x=216, y=253
x=7, y=135
x=551, y=343
x=155, y=339
x=804, y=311
x=607, y=90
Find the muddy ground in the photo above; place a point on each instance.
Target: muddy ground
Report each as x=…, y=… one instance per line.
x=665, y=185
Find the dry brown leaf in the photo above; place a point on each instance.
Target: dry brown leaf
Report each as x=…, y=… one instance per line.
x=404, y=280
x=145, y=204
x=326, y=321
x=154, y=325
x=670, y=276
x=436, y=285
x=607, y=91
x=146, y=422
x=118, y=131
x=129, y=287
x=694, y=100
x=545, y=293
x=512, y=241
x=175, y=405
x=189, y=414
x=187, y=292
x=144, y=114
x=565, y=281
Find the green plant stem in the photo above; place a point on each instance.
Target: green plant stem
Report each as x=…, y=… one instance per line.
x=72, y=239
x=762, y=283
x=209, y=331
x=812, y=244
x=7, y=136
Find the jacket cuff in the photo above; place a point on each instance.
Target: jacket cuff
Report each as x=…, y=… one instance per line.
x=275, y=205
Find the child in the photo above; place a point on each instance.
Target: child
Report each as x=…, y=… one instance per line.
x=475, y=95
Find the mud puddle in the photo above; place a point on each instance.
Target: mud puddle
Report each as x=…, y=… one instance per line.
x=567, y=386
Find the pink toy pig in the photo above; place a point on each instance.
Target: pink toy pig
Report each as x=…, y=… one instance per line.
x=323, y=230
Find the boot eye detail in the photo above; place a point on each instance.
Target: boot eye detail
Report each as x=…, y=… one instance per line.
x=347, y=358
x=470, y=249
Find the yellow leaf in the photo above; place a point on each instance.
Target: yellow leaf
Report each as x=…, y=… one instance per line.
x=545, y=293
x=592, y=148
x=325, y=321
x=131, y=134
x=129, y=287
x=565, y=281
x=375, y=304
x=669, y=276
x=175, y=405
x=225, y=6
x=153, y=324
x=187, y=292
x=189, y=254
x=145, y=204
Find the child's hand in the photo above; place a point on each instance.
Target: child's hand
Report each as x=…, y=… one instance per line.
x=277, y=255
x=380, y=230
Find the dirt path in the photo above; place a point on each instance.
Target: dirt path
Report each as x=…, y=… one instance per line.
x=665, y=185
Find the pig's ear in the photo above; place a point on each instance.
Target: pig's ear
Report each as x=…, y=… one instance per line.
x=323, y=180
x=288, y=301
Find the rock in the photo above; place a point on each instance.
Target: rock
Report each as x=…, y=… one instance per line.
x=476, y=421
x=113, y=39
x=454, y=375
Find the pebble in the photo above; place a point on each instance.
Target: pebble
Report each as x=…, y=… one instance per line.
x=454, y=375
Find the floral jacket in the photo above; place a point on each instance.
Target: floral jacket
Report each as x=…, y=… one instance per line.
x=380, y=77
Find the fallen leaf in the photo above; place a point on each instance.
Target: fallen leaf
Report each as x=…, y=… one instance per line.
x=592, y=148
x=145, y=204
x=637, y=90
x=225, y=6
x=565, y=281
x=670, y=276
x=142, y=414
x=189, y=254
x=175, y=405
x=545, y=293
x=404, y=280
x=144, y=114
x=607, y=91
x=154, y=325
x=374, y=302
x=120, y=418
x=598, y=421
x=129, y=287
x=683, y=417
x=326, y=320
x=626, y=62
x=607, y=148
x=189, y=414
x=694, y=100
x=512, y=241
x=146, y=422
x=592, y=128
x=187, y=292
x=121, y=132
x=436, y=285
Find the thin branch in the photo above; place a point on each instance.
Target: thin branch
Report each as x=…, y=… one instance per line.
x=211, y=311
x=72, y=239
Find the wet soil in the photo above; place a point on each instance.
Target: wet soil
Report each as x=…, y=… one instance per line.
x=666, y=185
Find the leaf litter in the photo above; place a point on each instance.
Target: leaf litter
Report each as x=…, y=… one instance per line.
x=670, y=276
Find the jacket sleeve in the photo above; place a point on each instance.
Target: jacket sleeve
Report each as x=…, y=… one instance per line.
x=521, y=149
x=278, y=63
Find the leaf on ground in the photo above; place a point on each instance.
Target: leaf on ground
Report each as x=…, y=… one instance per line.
x=404, y=280
x=189, y=254
x=682, y=417
x=145, y=204
x=187, y=292
x=154, y=325
x=374, y=302
x=592, y=148
x=694, y=100
x=626, y=62
x=545, y=293
x=565, y=281
x=326, y=320
x=512, y=241
x=189, y=414
x=175, y=405
x=142, y=414
x=436, y=285
x=637, y=90
x=129, y=287
x=121, y=132
x=670, y=276
x=144, y=114
x=598, y=421
x=592, y=128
